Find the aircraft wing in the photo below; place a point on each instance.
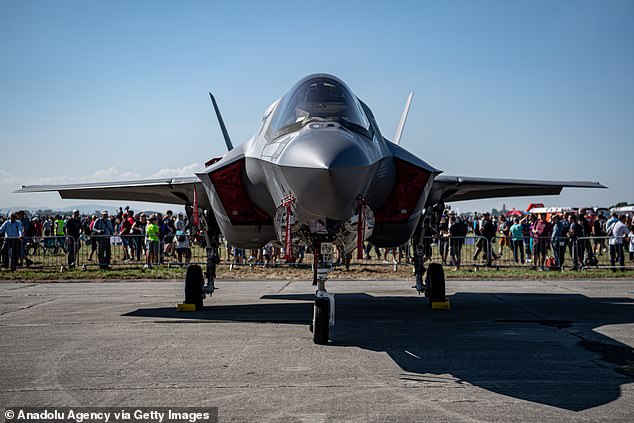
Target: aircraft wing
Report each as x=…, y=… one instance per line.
x=459, y=188
x=167, y=190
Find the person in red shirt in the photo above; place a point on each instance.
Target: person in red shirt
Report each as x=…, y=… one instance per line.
x=135, y=237
x=124, y=231
x=541, y=232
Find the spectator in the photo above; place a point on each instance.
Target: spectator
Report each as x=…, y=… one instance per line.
x=138, y=232
x=94, y=239
x=631, y=237
x=32, y=237
x=12, y=232
x=457, y=234
x=368, y=250
x=611, y=221
x=575, y=232
x=238, y=255
x=558, y=240
x=541, y=238
x=132, y=237
x=60, y=236
x=443, y=240
x=168, y=230
x=124, y=232
x=152, y=242
x=598, y=234
x=487, y=231
x=526, y=223
x=47, y=225
x=587, y=230
x=504, y=228
x=26, y=223
x=480, y=240
x=619, y=231
x=73, y=228
x=183, y=248
x=103, y=229
x=516, y=232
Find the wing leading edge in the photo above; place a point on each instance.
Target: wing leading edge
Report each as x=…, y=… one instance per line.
x=166, y=190
x=458, y=188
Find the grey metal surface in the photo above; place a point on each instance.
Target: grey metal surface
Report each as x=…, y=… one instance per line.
x=460, y=188
x=177, y=190
x=507, y=351
x=320, y=144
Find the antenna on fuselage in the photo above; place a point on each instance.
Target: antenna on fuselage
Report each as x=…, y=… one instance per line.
x=401, y=124
x=223, y=128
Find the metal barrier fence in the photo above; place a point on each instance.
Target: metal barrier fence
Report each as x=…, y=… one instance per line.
x=121, y=251
x=457, y=252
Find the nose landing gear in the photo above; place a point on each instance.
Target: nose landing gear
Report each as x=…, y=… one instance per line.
x=324, y=308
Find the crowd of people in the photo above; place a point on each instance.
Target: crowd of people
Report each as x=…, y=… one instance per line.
x=144, y=238
x=543, y=241
x=537, y=239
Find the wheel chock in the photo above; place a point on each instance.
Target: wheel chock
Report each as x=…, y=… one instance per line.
x=185, y=307
x=440, y=305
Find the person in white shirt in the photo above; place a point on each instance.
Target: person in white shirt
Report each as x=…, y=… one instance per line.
x=183, y=248
x=631, y=243
x=619, y=230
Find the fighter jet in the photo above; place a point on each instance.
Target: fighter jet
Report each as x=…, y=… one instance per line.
x=318, y=172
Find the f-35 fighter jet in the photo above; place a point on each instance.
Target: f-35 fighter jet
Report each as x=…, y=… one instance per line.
x=318, y=172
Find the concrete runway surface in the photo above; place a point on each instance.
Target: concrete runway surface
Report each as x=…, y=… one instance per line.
x=506, y=351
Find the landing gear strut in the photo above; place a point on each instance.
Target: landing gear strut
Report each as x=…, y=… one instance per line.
x=195, y=288
x=324, y=309
x=433, y=284
x=212, y=238
x=419, y=258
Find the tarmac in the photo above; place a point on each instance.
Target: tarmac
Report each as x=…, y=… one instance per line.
x=507, y=351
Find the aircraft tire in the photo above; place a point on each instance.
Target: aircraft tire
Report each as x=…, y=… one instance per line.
x=435, y=283
x=321, y=321
x=194, y=286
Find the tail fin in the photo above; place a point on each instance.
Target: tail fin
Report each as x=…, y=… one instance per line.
x=225, y=134
x=401, y=124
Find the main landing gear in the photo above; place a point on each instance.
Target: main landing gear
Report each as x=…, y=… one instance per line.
x=195, y=288
x=430, y=280
x=433, y=285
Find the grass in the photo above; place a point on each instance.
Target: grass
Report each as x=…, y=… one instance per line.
x=50, y=264
x=360, y=272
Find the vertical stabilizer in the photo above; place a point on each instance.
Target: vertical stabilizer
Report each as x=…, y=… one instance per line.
x=401, y=124
x=225, y=134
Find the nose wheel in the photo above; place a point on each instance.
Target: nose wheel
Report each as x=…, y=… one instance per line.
x=321, y=321
x=324, y=308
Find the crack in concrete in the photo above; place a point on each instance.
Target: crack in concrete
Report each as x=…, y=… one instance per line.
x=27, y=307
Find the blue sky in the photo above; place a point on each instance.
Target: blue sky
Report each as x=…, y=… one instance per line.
x=118, y=90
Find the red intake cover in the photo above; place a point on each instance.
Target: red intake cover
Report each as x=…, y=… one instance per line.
x=410, y=182
x=228, y=184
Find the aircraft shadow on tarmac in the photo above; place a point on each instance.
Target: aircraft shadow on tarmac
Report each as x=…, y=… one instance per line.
x=536, y=347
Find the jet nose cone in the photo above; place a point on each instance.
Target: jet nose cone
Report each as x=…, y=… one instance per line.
x=327, y=174
x=330, y=193
x=327, y=149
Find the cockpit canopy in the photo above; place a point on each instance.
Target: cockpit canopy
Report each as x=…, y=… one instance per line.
x=316, y=99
